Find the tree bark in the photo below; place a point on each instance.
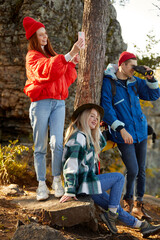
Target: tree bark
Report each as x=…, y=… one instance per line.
x=91, y=66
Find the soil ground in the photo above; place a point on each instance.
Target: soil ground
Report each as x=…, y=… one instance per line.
x=10, y=214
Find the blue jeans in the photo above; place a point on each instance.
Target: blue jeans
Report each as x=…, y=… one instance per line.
x=134, y=158
x=114, y=182
x=43, y=114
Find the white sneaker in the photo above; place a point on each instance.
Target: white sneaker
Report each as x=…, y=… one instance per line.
x=42, y=192
x=53, y=185
x=57, y=187
x=48, y=190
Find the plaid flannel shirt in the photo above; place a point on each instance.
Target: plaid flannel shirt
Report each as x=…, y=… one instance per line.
x=80, y=166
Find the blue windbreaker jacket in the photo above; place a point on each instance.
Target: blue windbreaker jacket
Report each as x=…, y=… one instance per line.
x=126, y=110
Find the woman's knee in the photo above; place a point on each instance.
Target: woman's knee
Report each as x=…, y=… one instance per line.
x=121, y=177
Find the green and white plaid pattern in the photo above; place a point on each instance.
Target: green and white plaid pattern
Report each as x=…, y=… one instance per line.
x=80, y=167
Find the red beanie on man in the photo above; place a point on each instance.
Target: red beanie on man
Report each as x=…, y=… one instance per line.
x=31, y=26
x=125, y=56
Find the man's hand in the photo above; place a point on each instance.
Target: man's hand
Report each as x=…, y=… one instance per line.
x=126, y=136
x=66, y=198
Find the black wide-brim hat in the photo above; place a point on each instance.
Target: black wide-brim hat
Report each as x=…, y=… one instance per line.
x=83, y=107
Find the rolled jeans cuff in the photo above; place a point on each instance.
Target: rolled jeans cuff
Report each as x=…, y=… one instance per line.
x=113, y=206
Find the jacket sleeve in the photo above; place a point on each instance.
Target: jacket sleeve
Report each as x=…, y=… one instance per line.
x=70, y=74
x=42, y=69
x=148, y=90
x=110, y=116
x=71, y=168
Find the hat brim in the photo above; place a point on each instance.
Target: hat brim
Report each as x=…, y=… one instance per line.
x=87, y=106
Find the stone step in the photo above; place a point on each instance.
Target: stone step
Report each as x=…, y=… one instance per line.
x=66, y=214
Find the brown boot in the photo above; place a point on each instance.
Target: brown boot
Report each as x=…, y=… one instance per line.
x=128, y=205
x=139, y=211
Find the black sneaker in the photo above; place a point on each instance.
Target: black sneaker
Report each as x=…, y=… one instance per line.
x=109, y=218
x=147, y=229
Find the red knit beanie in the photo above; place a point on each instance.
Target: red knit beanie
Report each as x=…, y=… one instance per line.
x=125, y=56
x=31, y=26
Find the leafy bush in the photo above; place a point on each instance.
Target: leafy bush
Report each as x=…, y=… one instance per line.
x=11, y=168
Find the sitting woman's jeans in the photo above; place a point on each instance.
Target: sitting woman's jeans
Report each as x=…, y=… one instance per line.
x=114, y=182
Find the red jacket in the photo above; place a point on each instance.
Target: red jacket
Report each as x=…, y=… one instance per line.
x=48, y=77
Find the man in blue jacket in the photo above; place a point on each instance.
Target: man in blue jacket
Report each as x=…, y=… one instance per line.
x=128, y=124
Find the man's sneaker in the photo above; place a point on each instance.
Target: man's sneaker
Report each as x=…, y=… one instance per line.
x=58, y=188
x=109, y=218
x=42, y=192
x=147, y=229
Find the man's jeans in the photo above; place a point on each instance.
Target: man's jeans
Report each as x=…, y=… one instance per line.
x=114, y=182
x=134, y=158
x=44, y=113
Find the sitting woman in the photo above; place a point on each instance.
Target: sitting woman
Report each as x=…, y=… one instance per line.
x=83, y=142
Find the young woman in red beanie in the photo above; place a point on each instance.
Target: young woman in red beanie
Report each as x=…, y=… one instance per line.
x=49, y=77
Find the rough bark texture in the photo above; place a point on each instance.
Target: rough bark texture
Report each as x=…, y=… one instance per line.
x=91, y=66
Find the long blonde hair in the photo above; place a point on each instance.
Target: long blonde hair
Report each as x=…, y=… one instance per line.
x=81, y=123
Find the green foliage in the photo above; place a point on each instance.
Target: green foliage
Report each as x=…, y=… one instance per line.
x=111, y=161
x=145, y=104
x=150, y=172
x=10, y=166
x=148, y=57
x=64, y=218
x=116, y=166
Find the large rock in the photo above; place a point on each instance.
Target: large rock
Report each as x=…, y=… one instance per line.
x=12, y=190
x=61, y=214
x=37, y=231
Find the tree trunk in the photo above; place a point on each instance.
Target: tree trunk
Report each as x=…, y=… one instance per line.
x=91, y=66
